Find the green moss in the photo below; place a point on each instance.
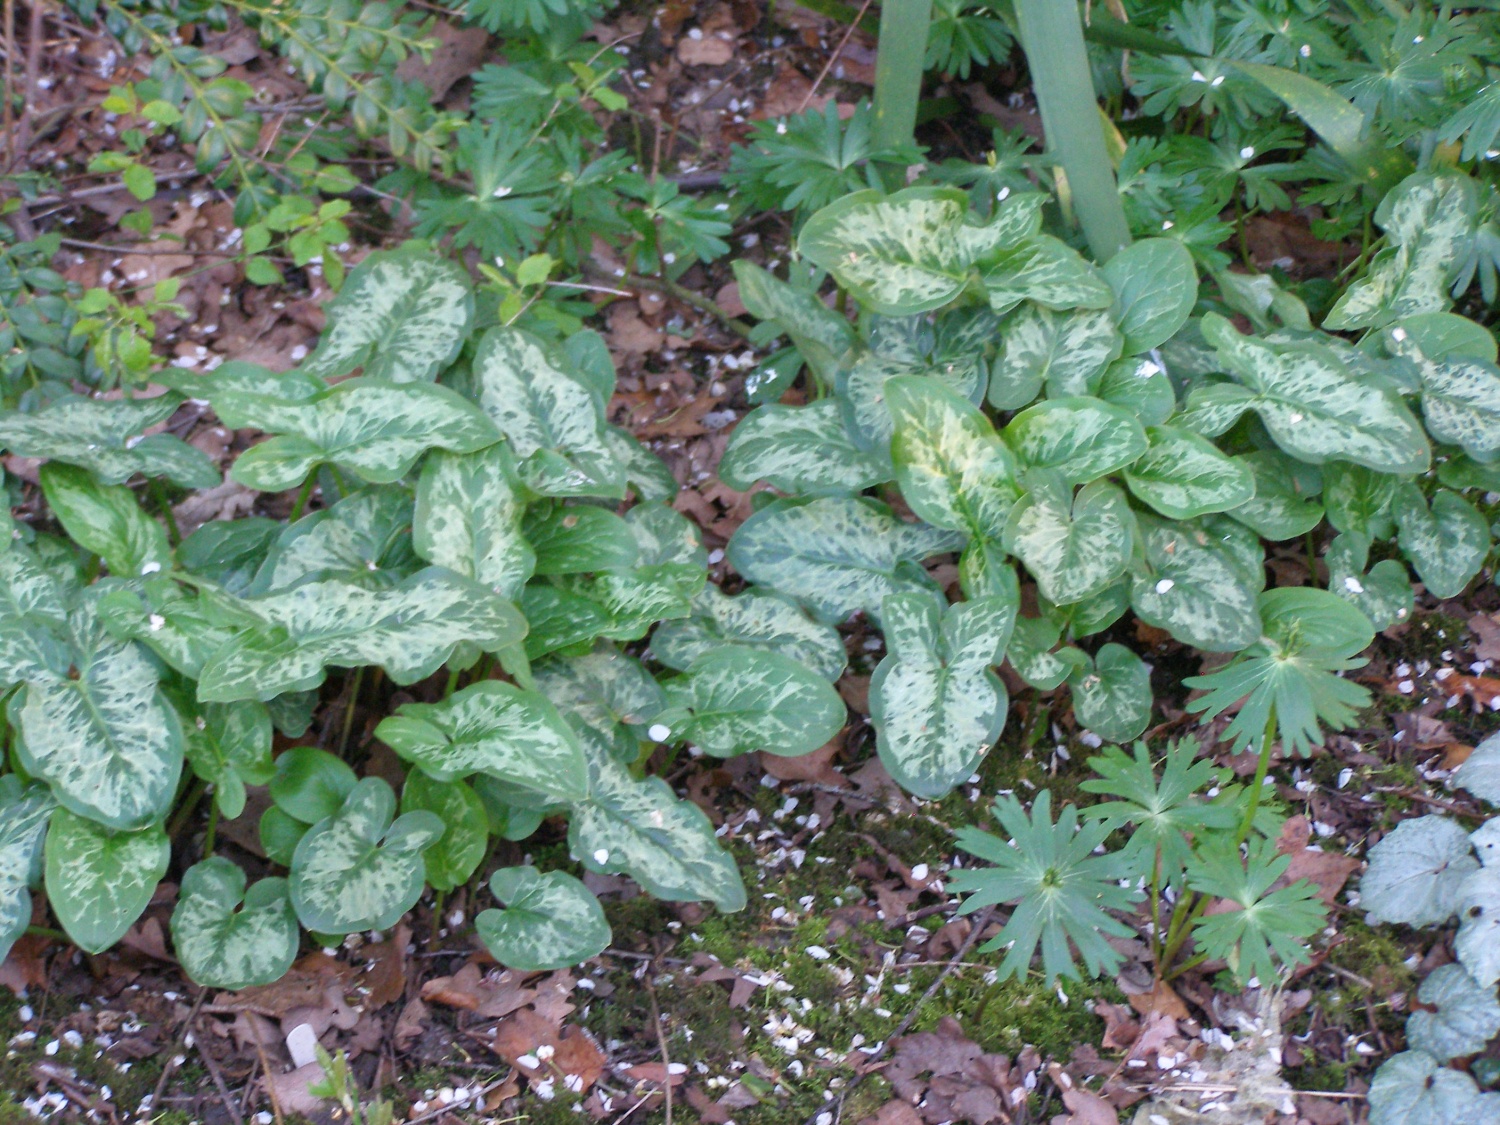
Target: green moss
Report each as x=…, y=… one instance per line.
x=1324, y=1075
x=1432, y=634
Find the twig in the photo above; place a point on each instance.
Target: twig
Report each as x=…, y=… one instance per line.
x=953, y=963
x=171, y=1064
x=448, y=1109
x=265, y=1070
x=218, y=1076
x=661, y=1041
x=837, y=51
x=688, y=297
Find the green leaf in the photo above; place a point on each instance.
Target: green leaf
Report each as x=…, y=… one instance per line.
x=1314, y=406
x=742, y=699
x=1031, y=654
x=645, y=472
x=495, y=728
x=1416, y=871
x=558, y=619
x=1065, y=351
x=1194, y=591
x=820, y=335
x=228, y=552
x=465, y=841
x=1080, y=438
x=1285, y=504
x=1156, y=285
x=1183, y=475
x=376, y=430
x=1074, y=546
x=1062, y=891
x=1270, y=926
x=1413, y=1089
x=33, y=620
x=24, y=813
x=579, y=538
x=1113, y=698
x=756, y=619
x=226, y=937
x=835, y=555
x=1446, y=544
x=553, y=421
x=468, y=518
x=862, y=389
x=1460, y=392
x=1478, y=941
x=105, y=520
x=607, y=692
x=401, y=315
x=228, y=745
x=1140, y=386
x=798, y=449
x=1464, y=1019
x=104, y=436
x=358, y=870
x=409, y=630
x=236, y=383
x=935, y=701
x=1480, y=772
x=1045, y=270
x=1383, y=594
x=550, y=921
x=310, y=784
x=98, y=881
x=1358, y=499
x=355, y=540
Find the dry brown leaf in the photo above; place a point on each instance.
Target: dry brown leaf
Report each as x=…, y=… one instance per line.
x=706, y=50
x=489, y=997
x=1328, y=871
x=1086, y=1108
x=895, y=1113
x=1486, y=627
x=629, y=333
x=458, y=54
x=1159, y=999
x=290, y=1090
x=816, y=767
x=521, y=1033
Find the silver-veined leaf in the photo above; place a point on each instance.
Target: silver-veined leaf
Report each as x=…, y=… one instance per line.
x=227, y=937
x=1416, y=872
x=1464, y=1015
x=549, y=921
x=1183, y=475
x=798, y=449
x=821, y=336
x=1113, y=698
x=1285, y=503
x=1080, y=438
x=740, y=699
x=1156, y=285
x=1074, y=546
x=468, y=518
x=1460, y=395
x=645, y=472
x=1034, y=655
x=1063, y=351
x=33, y=619
x=1382, y=593
x=104, y=436
x=1413, y=1089
x=100, y=881
x=759, y=619
x=228, y=745
x=862, y=390
x=1045, y=270
x=1192, y=590
x=106, y=520
x=1446, y=543
x=606, y=691
x=363, y=539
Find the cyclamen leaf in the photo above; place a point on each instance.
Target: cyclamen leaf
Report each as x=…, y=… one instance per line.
x=1413, y=1089
x=550, y=921
x=24, y=813
x=454, y=857
x=1064, y=351
x=228, y=938
x=377, y=430
x=756, y=619
x=742, y=699
x=1113, y=699
x=1446, y=544
x=1156, y=285
x=354, y=540
x=104, y=436
x=1479, y=773
x=410, y=630
x=98, y=881
x=1183, y=475
x=1192, y=590
x=820, y=335
x=495, y=728
x=105, y=520
x=468, y=518
x=1417, y=871
x=358, y=870
x=1466, y=1017
x=799, y=449
x=1074, y=546
x=1478, y=941
x=401, y=315
x=1080, y=438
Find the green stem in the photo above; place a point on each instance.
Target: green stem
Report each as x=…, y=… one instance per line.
x=213, y=827
x=302, y=497
x=899, y=63
x=1156, y=942
x=1052, y=36
x=185, y=809
x=1261, y=769
x=452, y=683
x=164, y=507
x=48, y=932
x=359, y=675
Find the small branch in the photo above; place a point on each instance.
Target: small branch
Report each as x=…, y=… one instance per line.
x=661, y=1041
x=171, y=1065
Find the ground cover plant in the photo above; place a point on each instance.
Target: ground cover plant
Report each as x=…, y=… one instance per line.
x=694, y=508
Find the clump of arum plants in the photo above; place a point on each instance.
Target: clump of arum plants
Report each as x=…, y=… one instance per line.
x=486, y=539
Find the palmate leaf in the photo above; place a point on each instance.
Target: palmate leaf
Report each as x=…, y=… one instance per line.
x=1270, y=926
x=1416, y=872
x=104, y=436
x=734, y=700
x=1308, y=636
x=549, y=921
x=227, y=937
x=411, y=630
x=24, y=813
x=1062, y=891
x=759, y=619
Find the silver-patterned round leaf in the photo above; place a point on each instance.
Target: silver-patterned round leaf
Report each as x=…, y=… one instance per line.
x=1416, y=872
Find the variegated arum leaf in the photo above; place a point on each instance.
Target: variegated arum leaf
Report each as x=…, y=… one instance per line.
x=1382, y=593
x=549, y=921
x=1113, y=698
x=799, y=449
x=228, y=745
x=1460, y=396
x=33, y=619
x=1034, y=655
x=159, y=614
x=836, y=555
x=1045, y=270
x=376, y=430
x=953, y=469
x=401, y=315
x=1291, y=673
x=104, y=738
x=733, y=700
x=228, y=553
x=757, y=619
x=1460, y=1018
x=935, y=701
x=1285, y=504
x=863, y=397
x=106, y=520
x=1183, y=475
x=1140, y=386
x=105, y=437
x=1074, y=546
x=1093, y=614
x=99, y=881
x=495, y=728
x=228, y=937
x=468, y=518
x=458, y=852
x=1358, y=499
x=1416, y=872
x=1314, y=406
x=821, y=336
x=605, y=691
x=241, y=378
x=25, y=810
x=670, y=569
x=1192, y=589
x=559, y=620
x=310, y=784
x=1446, y=544
x=1081, y=438
x=645, y=472
x=1155, y=285
x=579, y=538
x=550, y=416
x=409, y=630
x=1065, y=352
x=364, y=539
x=359, y=869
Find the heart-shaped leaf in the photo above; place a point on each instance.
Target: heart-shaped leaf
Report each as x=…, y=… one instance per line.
x=798, y=449
x=560, y=620
x=401, y=315
x=820, y=335
x=1156, y=286
x=1045, y=270
x=310, y=784
x=376, y=430
x=671, y=568
x=579, y=538
x=1285, y=504
x=1034, y=655
x=1183, y=475
x=1447, y=543
x=606, y=691
x=758, y=619
x=228, y=938
x=1064, y=351
x=228, y=552
x=99, y=881
x=358, y=870
x=1413, y=1089
x=24, y=813
x=1416, y=872
x=105, y=520
x=1478, y=941
x=1464, y=1015
x=229, y=746
x=468, y=518
x=495, y=728
x=1479, y=773
x=363, y=539
x=550, y=921
x=1138, y=385
x=742, y=699
x=33, y=620
x=1080, y=438
x=104, y=436
x=1358, y=499
x=836, y=555
x=465, y=841
x=1383, y=594
x=1113, y=698
x=1460, y=394
x=862, y=389
x=935, y=701
x=410, y=630
x=1074, y=546
x=645, y=472
x=1192, y=590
